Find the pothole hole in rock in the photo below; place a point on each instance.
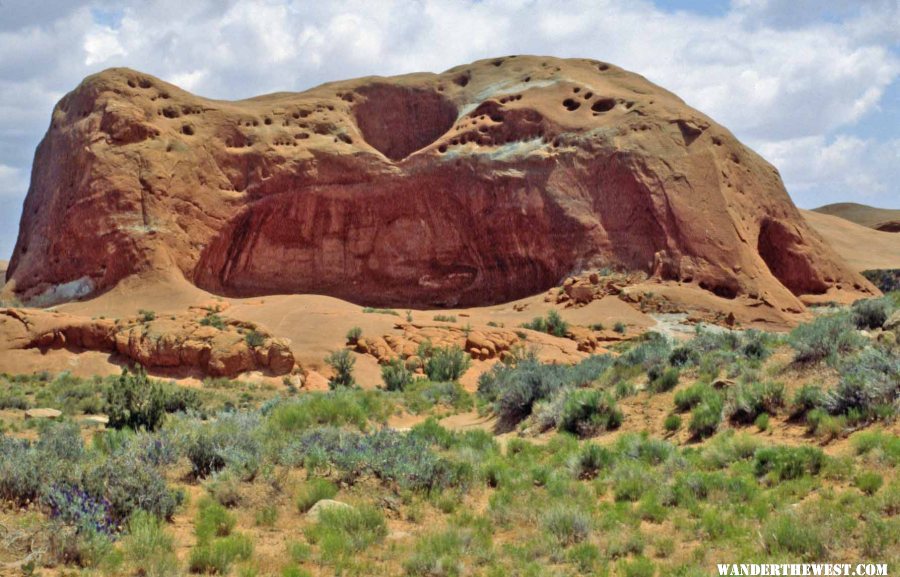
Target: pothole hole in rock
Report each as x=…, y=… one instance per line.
x=398, y=120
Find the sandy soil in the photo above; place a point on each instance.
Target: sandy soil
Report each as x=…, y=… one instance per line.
x=317, y=325
x=863, y=248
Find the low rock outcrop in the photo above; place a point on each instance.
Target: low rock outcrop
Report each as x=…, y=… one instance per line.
x=209, y=344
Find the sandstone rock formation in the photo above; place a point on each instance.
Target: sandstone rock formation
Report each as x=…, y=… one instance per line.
x=179, y=341
x=485, y=183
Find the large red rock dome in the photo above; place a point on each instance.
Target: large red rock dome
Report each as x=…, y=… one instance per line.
x=485, y=183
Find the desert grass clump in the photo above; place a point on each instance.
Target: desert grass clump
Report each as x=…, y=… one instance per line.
x=341, y=362
x=218, y=546
x=868, y=482
x=213, y=319
x=148, y=548
x=441, y=554
x=353, y=335
x=552, y=324
x=446, y=364
x=375, y=311
x=567, y=524
x=313, y=491
x=254, y=339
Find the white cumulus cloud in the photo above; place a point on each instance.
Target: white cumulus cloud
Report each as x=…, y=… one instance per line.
x=796, y=80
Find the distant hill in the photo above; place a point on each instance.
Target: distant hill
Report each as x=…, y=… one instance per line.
x=884, y=219
x=860, y=246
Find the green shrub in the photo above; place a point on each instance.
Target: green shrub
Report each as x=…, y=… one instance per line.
x=746, y=402
x=567, y=524
x=148, y=548
x=593, y=458
x=341, y=362
x=266, y=516
x=630, y=481
x=706, y=416
x=446, y=364
x=619, y=327
x=295, y=571
x=687, y=399
x=868, y=482
x=213, y=520
x=314, y=491
x=683, y=356
x=395, y=375
x=299, y=551
x=341, y=533
x=586, y=557
x=422, y=395
x=762, y=422
x=442, y=554
x=871, y=313
x=353, y=335
x=667, y=381
x=146, y=316
x=869, y=380
x=672, y=423
x=371, y=310
x=885, y=445
x=445, y=318
x=824, y=338
x=135, y=401
x=787, y=533
x=333, y=408
x=232, y=441
x=807, y=398
x=217, y=556
x=589, y=411
x=129, y=482
x=515, y=389
x=788, y=462
x=638, y=567
x=254, y=339
x=553, y=324
x=212, y=319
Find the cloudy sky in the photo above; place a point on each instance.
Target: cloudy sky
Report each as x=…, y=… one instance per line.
x=810, y=84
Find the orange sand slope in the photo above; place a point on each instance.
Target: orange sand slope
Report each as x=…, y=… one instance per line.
x=861, y=247
x=883, y=219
